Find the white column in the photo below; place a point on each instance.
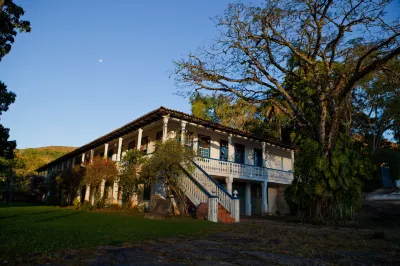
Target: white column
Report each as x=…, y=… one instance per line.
x=292, y=155
x=62, y=166
x=91, y=155
x=229, y=182
x=139, y=138
x=195, y=143
x=119, y=149
x=87, y=193
x=83, y=157
x=102, y=186
x=165, y=128
x=115, y=193
x=231, y=149
x=235, y=207
x=73, y=162
x=248, y=199
x=183, y=132
x=105, y=156
x=213, y=209
x=264, y=198
x=264, y=161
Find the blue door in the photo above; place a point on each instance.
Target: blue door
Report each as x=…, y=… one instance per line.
x=223, y=150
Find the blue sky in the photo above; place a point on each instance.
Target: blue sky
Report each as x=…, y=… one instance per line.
x=65, y=96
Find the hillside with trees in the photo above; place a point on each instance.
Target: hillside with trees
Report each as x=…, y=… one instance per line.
x=33, y=158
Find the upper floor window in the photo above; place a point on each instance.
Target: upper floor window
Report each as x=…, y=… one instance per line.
x=239, y=153
x=132, y=145
x=110, y=154
x=223, y=150
x=204, y=146
x=258, y=158
x=145, y=144
x=159, y=135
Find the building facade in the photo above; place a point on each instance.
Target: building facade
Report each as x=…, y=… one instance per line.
x=232, y=167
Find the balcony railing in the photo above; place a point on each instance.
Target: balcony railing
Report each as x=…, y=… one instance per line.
x=244, y=171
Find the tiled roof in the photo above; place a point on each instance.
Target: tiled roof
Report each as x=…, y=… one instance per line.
x=153, y=116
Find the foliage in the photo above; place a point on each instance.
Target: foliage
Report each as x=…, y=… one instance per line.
x=10, y=22
x=262, y=119
x=376, y=102
x=336, y=196
x=129, y=177
x=100, y=169
x=33, y=158
x=37, y=184
x=165, y=165
x=69, y=182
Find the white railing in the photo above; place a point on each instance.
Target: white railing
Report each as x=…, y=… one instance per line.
x=193, y=191
x=214, y=188
x=245, y=171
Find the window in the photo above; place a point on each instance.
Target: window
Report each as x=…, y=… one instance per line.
x=204, y=146
x=110, y=154
x=258, y=158
x=159, y=135
x=223, y=150
x=146, y=192
x=188, y=139
x=132, y=145
x=239, y=153
x=145, y=144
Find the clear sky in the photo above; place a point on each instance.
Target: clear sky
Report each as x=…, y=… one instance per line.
x=65, y=96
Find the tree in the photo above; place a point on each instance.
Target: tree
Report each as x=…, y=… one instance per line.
x=98, y=170
x=377, y=104
x=261, y=48
x=10, y=21
x=70, y=182
x=305, y=58
x=166, y=165
x=129, y=177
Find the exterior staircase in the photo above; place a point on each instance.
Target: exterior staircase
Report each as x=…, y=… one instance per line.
x=212, y=200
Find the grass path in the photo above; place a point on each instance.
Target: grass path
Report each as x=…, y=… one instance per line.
x=37, y=230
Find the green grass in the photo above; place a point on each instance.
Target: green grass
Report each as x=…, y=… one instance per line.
x=38, y=230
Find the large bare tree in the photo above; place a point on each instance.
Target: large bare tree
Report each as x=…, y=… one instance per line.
x=298, y=55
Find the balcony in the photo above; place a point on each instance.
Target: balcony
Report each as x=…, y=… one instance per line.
x=244, y=171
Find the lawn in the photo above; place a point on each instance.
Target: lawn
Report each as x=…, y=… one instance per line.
x=34, y=231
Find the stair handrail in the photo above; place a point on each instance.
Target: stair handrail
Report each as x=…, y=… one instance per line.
x=200, y=186
x=215, y=182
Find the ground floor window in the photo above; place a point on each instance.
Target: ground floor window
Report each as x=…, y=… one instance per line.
x=132, y=145
x=146, y=192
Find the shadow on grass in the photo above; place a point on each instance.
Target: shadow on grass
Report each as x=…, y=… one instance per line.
x=59, y=217
x=27, y=214
x=18, y=204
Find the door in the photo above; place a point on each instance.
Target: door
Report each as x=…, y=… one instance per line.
x=258, y=158
x=223, y=150
x=239, y=153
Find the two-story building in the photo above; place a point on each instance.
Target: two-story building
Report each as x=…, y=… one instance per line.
x=257, y=168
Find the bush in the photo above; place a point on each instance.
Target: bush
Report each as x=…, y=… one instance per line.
x=52, y=200
x=328, y=189
x=76, y=203
x=86, y=206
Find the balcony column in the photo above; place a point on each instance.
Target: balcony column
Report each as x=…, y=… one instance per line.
x=183, y=132
x=73, y=162
x=248, y=199
x=292, y=156
x=105, y=156
x=264, y=198
x=264, y=160
x=83, y=158
x=62, y=166
x=229, y=181
x=231, y=149
x=87, y=193
x=165, y=128
x=91, y=155
x=119, y=149
x=139, y=139
x=102, y=186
